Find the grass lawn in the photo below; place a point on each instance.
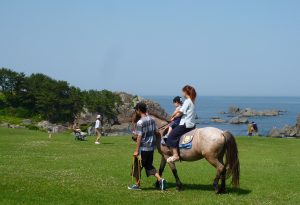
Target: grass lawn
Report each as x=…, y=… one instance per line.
x=38, y=170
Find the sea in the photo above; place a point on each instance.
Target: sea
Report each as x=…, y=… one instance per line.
x=208, y=106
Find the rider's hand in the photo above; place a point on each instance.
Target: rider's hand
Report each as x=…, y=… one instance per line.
x=172, y=119
x=135, y=153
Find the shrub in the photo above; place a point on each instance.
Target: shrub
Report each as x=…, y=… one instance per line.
x=32, y=127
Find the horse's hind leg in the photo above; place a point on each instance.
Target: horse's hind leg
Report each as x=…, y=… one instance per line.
x=163, y=163
x=219, y=165
x=223, y=181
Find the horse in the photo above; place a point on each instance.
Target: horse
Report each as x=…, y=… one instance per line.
x=209, y=143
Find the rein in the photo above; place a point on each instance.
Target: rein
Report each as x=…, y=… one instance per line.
x=163, y=126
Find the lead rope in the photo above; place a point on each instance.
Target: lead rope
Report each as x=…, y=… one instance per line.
x=139, y=164
x=132, y=169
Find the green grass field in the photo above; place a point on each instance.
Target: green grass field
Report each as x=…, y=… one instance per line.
x=38, y=170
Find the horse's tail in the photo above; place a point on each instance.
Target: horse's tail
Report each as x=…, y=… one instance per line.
x=232, y=158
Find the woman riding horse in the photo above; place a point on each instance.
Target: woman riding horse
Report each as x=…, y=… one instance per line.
x=187, y=123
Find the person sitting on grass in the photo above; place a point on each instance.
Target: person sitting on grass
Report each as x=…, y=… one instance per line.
x=145, y=145
x=76, y=129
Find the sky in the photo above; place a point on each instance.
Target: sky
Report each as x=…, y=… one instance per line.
x=222, y=48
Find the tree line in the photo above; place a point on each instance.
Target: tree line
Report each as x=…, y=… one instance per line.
x=40, y=96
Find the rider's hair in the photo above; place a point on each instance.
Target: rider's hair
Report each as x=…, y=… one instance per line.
x=190, y=91
x=178, y=99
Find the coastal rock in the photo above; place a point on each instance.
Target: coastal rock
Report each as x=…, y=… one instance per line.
x=156, y=110
x=26, y=122
x=55, y=128
x=238, y=120
x=249, y=112
x=122, y=129
x=8, y=125
x=58, y=128
x=124, y=112
x=269, y=113
x=5, y=124
x=298, y=122
x=44, y=124
x=217, y=119
x=234, y=110
x=287, y=131
x=275, y=133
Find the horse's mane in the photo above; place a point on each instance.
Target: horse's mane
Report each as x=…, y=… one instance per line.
x=157, y=116
x=135, y=117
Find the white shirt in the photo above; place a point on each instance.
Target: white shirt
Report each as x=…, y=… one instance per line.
x=189, y=114
x=98, y=124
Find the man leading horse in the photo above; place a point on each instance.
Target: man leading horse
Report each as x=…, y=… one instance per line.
x=218, y=147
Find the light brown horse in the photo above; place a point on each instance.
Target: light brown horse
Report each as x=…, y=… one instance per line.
x=210, y=143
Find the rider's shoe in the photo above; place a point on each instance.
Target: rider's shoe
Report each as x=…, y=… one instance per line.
x=134, y=187
x=172, y=159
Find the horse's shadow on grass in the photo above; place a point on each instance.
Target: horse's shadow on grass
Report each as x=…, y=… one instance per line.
x=206, y=187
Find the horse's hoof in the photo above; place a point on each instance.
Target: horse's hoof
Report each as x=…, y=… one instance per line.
x=216, y=187
x=179, y=188
x=222, y=191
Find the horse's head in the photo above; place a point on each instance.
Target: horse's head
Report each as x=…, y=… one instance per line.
x=134, y=119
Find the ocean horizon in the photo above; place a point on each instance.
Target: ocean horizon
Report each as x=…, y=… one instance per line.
x=213, y=106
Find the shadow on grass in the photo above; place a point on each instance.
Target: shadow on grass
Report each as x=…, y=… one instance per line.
x=107, y=143
x=205, y=187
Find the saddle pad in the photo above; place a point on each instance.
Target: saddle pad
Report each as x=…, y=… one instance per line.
x=186, y=140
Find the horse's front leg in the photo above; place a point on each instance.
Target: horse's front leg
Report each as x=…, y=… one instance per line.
x=162, y=166
x=175, y=173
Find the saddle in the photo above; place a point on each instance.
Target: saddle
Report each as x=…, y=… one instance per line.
x=185, y=141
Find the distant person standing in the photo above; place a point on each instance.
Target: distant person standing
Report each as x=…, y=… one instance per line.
x=250, y=129
x=50, y=131
x=98, y=129
x=255, y=129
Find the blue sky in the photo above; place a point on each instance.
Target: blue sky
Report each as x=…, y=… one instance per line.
x=155, y=47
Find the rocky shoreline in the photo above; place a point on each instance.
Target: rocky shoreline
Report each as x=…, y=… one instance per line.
x=241, y=115
x=287, y=131
x=121, y=125
x=118, y=126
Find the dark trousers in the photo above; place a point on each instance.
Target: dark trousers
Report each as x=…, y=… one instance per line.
x=177, y=132
x=146, y=163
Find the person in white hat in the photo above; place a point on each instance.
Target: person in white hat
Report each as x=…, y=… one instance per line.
x=98, y=128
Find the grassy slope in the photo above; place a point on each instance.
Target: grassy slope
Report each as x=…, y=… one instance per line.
x=38, y=170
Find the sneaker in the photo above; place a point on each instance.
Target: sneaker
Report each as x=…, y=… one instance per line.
x=163, y=184
x=164, y=139
x=134, y=187
x=97, y=142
